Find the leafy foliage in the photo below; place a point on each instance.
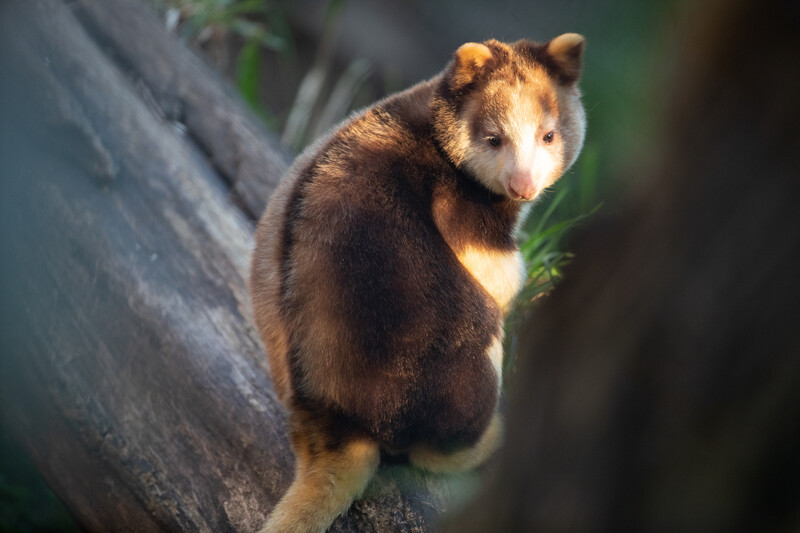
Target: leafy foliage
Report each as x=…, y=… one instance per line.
x=256, y=21
x=544, y=249
x=260, y=24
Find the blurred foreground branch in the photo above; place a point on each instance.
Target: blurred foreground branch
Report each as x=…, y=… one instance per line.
x=659, y=386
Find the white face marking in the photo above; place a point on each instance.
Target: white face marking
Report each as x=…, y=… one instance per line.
x=524, y=164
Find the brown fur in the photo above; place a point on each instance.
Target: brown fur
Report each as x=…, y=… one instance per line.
x=382, y=271
x=469, y=59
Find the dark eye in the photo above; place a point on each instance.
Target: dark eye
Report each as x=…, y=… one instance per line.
x=494, y=140
x=549, y=136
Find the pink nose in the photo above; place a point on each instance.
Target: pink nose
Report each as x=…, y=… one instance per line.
x=522, y=186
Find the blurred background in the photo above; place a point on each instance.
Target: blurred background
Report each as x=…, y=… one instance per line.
x=304, y=65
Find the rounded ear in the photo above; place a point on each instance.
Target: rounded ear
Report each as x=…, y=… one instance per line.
x=470, y=59
x=566, y=52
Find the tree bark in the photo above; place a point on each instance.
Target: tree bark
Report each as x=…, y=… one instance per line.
x=130, y=369
x=187, y=92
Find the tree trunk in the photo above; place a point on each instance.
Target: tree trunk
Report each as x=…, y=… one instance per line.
x=131, y=176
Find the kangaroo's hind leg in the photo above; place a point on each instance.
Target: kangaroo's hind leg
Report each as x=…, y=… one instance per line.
x=327, y=480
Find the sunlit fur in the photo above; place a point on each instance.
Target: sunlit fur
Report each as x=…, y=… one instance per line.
x=500, y=273
x=386, y=262
x=520, y=104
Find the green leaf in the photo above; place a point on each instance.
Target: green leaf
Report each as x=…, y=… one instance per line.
x=550, y=208
x=248, y=72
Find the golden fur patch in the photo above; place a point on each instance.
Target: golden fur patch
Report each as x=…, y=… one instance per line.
x=567, y=50
x=563, y=45
x=470, y=57
x=500, y=273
